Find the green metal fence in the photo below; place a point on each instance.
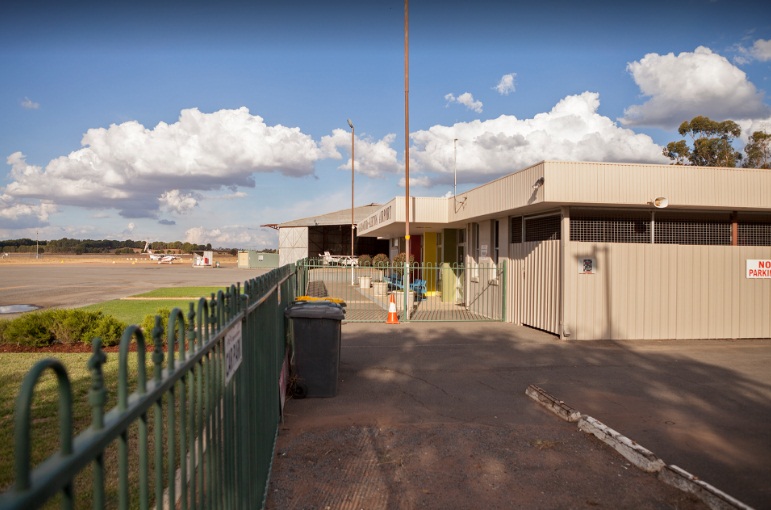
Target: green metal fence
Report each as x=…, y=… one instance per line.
x=198, y=432
x=443, y=292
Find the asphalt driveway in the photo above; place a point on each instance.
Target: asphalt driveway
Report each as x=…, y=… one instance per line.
x=433, y=415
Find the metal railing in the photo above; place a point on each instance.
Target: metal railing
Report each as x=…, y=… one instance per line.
x=199, y=433
x=442, y=293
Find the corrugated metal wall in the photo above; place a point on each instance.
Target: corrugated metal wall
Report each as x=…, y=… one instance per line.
x=641, y=291
x=620, y=183
x=534, y=283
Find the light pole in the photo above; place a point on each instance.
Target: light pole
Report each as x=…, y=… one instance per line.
x=353, y=220
x=455, y=166
x=406, y=155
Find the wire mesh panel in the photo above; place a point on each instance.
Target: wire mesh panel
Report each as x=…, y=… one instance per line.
x=754, y=234
x=515, y=232
x=693, y=232
x=603, y=228
x=543, y=228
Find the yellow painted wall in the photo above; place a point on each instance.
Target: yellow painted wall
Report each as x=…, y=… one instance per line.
x=430, y=259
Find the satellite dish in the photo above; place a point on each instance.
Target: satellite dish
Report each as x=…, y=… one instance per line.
x=660, y=202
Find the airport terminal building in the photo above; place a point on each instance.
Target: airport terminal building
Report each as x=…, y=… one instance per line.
x=606, y=250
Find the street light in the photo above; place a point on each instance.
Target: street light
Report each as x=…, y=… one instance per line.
x=353, y=221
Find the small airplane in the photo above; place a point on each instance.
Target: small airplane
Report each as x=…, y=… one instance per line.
x=157, y=256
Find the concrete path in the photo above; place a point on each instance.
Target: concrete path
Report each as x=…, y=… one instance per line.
x=435, y=414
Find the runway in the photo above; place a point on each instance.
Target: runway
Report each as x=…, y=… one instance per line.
x=52, y=285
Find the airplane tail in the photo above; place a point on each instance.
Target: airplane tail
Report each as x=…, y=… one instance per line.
x=147, y=247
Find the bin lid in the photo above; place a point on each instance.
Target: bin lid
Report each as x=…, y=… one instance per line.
x=315, y=310
x=312, y=299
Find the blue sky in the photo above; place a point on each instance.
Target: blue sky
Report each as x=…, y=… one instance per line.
x=200, y=121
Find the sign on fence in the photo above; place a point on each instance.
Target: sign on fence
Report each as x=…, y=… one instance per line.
x=233, y=352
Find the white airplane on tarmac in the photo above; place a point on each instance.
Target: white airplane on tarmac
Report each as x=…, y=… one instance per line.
x=157, y=256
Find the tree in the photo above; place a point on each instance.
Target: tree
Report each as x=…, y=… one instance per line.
x=758, y=150
x=712, y=143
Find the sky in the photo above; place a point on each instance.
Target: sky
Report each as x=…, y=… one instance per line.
x=200, y=121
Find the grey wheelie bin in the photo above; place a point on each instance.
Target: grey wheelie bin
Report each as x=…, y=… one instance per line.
x=316, y=329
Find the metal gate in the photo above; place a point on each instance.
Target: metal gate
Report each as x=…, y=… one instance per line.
x=440, y=293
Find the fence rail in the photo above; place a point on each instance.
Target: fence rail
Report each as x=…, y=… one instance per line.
x=444, y=292
x=199, y=433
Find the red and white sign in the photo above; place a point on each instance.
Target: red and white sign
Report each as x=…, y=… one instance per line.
x=759, y=268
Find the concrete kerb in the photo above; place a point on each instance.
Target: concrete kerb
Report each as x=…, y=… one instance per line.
x=641, y=457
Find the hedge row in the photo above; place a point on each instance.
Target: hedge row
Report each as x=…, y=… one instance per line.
x=48, y=327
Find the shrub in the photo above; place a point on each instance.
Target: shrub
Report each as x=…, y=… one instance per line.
x=31, y=330
x=108, y=328
x=399, y=262
x=381, y=260
x=149, y=323
x=72, y=326
x=41, y=329
x=365, y=260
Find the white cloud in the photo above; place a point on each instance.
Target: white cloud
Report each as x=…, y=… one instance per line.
x=29, y=104
x=572, y=130
x=417, y=181
x=15, y=214
x=689, y=84
x=233, y=236
x=374, y=158
x=761, y=50
x=466, y=99
x=750, y=126
x=137, y=170
x=177, y=202
x=507, y=84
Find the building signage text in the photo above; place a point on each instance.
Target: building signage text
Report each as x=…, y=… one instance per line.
x=758, y=268
x=381, y=217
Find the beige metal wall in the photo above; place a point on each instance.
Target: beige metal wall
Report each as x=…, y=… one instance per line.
x=635, y=184
x=642, y=291
x=534, y=285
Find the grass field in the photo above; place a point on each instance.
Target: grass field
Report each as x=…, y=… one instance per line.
x=45, y=433
x=134, y=310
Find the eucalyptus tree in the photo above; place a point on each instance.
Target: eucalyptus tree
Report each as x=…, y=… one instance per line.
x=758, y=150
x=711, y=143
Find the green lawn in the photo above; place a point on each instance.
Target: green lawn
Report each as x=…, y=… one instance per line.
x=44, y=433
x=181, y=292
x=133, y=311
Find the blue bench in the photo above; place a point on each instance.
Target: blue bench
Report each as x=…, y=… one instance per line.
x=417, y=286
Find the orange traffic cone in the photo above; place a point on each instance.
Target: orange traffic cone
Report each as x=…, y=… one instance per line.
x=393, y=318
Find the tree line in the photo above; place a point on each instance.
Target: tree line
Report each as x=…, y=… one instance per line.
x=84, y=246
x=711, y=144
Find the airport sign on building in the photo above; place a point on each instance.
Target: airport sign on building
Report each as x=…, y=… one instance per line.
x=759, y=268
